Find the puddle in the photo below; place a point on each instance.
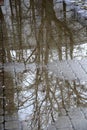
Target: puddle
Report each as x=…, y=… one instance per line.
x=39, y=49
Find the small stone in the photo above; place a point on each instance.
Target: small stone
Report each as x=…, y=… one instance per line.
x=0, y=71
x=3, y=86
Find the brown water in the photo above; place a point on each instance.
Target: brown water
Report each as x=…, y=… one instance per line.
x=33, y=35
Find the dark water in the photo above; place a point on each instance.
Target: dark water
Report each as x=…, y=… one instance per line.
x=33, y=35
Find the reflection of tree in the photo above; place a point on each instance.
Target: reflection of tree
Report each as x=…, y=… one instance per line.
x=46, y=34
x=47, y=94
x=6, y=92
x=57, y=32
x=9, y=93
x=39, y=18
x=16, y=21
x=4, y=37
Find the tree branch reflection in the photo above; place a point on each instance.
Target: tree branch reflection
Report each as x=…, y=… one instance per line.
x=36, y=39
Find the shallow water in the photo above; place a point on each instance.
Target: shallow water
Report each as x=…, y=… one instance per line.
x=35, y=38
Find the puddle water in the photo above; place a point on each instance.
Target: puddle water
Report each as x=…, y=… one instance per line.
x=43, y=59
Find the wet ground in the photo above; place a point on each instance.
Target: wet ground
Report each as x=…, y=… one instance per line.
x=43, y=64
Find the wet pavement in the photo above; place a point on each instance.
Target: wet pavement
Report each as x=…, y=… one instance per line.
x=43, y=65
